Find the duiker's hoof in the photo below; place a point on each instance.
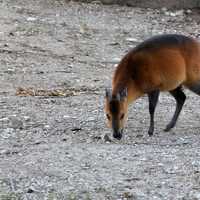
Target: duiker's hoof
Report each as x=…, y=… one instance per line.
x=150, y=133
x=168, y=128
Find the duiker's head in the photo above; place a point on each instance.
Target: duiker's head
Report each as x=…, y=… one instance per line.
x=116, y=108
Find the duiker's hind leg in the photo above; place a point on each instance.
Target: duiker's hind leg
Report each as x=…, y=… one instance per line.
x=153, y=99
x=195, y=88
x=180, y=99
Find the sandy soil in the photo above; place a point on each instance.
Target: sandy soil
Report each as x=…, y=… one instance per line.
x=56, y=60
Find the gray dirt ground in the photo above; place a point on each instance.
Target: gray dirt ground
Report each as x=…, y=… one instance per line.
x=52, y=147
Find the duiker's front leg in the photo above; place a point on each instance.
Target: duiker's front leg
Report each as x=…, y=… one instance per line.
x=153, y=99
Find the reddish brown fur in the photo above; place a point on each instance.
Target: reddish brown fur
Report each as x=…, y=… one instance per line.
x=163, y=69
x=161, y=63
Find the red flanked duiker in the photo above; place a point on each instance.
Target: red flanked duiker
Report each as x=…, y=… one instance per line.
x=161, y=63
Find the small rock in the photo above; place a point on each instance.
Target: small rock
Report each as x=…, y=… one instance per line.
x=26, y=118
x=7, y=133
x=83, y=28
x=4, y=152
x=128, y=195
x=38, y=142
x=106, y=138
x=10, y=71
x=179, y=12
x=85, y=166
x=116, y=60
x=97, y=137
x=172, y=14
x=31, y=19
x=139, y=136
x=63, y=24
x=15, y=123
x=66, y=116
x=195, y=195
x=167, y=13
x=30, y=190
x=46, y=126
x=133, y=179
x=114, y=43
x=132, y=40
x=164, y=9
x=11, y=34
x=188, y=11
x=76, y=129
x=5, y=119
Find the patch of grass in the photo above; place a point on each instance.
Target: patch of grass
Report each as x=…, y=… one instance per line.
x=29, y=30
x=57, y=196
x=42, y=92
x=53, y=92
x=52, y=196
x=72, y=196
x=10, y=196
x=87, y=197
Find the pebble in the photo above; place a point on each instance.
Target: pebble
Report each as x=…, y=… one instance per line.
x=116, y=60
x=30, y=190
x=15, y=122
x=10, y=71
x=195, y=195
x=46, y=127
x=83, y=28
x=188, y=11
x=106, y=138
x=26, y=118
x=5, y=119
x=164, y=9
x=179, y=12
x=131, y=39
x=7, y=133
x=174, y=14
x=4, y=151
x=66, y=116
x=31, y=19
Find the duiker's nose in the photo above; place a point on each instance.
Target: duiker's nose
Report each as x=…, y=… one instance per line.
x=117, y=134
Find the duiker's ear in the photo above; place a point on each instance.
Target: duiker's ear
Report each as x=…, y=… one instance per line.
x=108, y=93
x=123, y=93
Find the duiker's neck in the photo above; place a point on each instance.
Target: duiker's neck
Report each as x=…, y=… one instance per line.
x=133, y=92
x=122, y=79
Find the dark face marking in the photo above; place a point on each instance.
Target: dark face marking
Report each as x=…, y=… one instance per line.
x=116, y=111
x=114, y=107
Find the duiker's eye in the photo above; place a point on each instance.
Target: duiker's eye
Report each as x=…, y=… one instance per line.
x=122, y=116
x=108, y=116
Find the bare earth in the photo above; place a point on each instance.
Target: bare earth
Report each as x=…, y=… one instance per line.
x=56, y=60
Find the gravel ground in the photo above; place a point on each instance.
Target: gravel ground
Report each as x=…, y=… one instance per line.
x=56, y=60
